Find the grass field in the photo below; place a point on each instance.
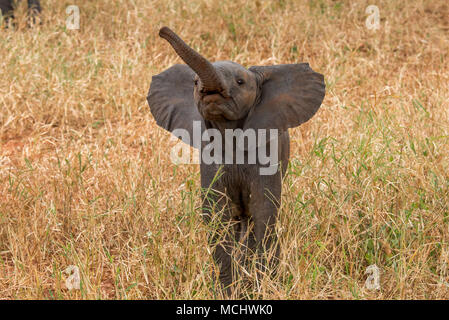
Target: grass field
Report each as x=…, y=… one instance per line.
x=86, y=179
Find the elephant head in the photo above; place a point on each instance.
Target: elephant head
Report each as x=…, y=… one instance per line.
x=226, y=93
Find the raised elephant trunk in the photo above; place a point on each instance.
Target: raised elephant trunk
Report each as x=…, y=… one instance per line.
x=203, y=68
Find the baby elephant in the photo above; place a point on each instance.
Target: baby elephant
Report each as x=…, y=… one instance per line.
x=241, y=182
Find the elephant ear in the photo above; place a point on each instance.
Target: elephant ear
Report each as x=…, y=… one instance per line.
x=291, y=94
x=171, y=101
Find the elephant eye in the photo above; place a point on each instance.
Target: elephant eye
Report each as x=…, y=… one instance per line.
x=196, y=82
x=240, y=82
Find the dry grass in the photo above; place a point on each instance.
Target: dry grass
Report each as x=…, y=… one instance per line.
x=85, y=177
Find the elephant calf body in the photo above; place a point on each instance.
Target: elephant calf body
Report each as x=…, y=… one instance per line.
x=249, y=203
x=240, y=197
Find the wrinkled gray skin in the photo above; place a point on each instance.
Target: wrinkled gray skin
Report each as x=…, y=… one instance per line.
x=225, y=95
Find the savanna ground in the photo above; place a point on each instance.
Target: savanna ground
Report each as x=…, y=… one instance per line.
x=86, y=178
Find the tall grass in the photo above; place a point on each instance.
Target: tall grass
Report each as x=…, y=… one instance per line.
x=86, y=180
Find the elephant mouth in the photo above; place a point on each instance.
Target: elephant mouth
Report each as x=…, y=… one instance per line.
x=219, y=112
